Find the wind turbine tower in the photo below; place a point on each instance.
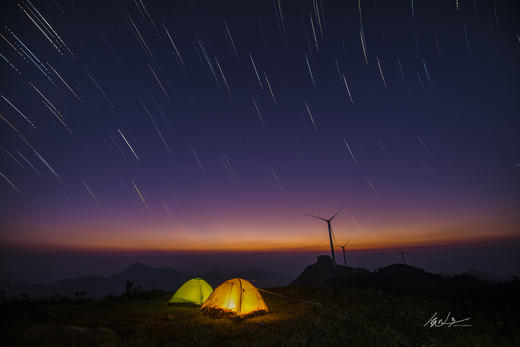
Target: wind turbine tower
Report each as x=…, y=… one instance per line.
x=402, y=257
x=330, y=232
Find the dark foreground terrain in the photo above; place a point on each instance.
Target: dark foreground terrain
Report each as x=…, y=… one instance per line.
x=345, y=316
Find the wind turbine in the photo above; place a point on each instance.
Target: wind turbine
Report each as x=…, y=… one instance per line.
x=330, y=231
x=402, y=257
x=344, y=254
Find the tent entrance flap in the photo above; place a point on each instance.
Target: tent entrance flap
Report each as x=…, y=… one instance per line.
x=236, y=296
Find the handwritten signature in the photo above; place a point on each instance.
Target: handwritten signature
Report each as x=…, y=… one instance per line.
x=436, y=322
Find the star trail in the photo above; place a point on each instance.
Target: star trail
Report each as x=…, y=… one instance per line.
x=215, y=125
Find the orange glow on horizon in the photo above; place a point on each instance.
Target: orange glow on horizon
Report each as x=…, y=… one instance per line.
x=360, y=243
x=253, y=234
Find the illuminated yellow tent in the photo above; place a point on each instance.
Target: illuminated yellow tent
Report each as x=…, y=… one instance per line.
x=194, y=291
x=236, y=296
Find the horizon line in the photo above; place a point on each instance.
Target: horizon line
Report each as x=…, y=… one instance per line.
x=387, y=246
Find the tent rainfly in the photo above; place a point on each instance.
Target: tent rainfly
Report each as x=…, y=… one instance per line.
x=236, y=296
x=194, y=291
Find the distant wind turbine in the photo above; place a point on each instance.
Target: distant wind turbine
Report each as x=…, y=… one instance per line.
x=343, y=249
x=330, y=231
x=402, y=257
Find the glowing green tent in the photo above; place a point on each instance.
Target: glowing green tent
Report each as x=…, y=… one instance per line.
x=194, y=291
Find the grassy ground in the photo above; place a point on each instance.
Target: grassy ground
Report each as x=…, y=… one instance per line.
x=347, y=316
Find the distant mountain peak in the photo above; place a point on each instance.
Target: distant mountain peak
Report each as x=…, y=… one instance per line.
x=322, y=269
x=138, y=266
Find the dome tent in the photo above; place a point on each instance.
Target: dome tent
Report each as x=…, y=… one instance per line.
x=236, y=297
x=194, y=291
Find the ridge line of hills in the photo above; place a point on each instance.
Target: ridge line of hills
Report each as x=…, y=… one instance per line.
x=143, y=278
x=396, y=278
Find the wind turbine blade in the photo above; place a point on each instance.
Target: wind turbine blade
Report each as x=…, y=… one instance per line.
x=333, y=236
x=310, y=215
x=331, y=218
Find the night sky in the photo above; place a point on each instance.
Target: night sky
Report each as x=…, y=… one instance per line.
x=216, y=125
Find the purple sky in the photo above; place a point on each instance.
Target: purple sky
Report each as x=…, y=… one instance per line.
x=214, y=126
